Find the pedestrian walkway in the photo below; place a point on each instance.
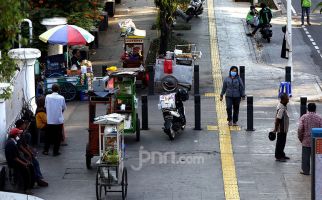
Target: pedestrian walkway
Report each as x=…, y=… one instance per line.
x=237, y=164
x=259, y=176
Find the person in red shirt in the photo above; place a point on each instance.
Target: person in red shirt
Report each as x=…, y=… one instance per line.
x=307, y=122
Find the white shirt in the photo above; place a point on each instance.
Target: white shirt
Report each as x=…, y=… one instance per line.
x=55, y=105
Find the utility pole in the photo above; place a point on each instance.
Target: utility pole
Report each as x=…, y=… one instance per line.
x=289, y=36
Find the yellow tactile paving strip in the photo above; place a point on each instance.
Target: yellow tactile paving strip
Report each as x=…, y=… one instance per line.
x=227, y=157
x=215, y=128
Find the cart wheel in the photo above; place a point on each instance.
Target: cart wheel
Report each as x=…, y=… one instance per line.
x=138, y=133
x=89, y=161
x=124, y=183
x=68, y=90
x=88, y=158
x=99, y=185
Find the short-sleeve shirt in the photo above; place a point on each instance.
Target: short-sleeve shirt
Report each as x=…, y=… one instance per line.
x=55, y=104
x=282, y=114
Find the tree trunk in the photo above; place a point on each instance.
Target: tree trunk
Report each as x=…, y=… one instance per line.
x=164, y=34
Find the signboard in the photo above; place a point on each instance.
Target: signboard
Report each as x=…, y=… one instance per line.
x=316, y=180
x=318, y=168
x=133, y=41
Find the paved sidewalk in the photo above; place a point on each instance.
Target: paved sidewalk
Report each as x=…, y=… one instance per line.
x=259, y=176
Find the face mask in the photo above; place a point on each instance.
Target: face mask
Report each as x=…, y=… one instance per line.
x=233, y=74
x=17, y=138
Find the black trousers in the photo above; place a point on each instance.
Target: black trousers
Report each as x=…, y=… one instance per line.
x=280, y=145
x=306, y=155
x=232, y=108
x=24, y=176
x=54, y=134
x=257, y=27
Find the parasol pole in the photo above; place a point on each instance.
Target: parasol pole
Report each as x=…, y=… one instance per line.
x=67, y=57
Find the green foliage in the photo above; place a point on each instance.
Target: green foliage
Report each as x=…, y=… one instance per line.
x=80, y=19
x=10, y=18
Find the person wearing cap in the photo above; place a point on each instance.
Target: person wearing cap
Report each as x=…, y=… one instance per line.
x=15, y=161
x=55, y=106
x=234, y=90
x=28, y=152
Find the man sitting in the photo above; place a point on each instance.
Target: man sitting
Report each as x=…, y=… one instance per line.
x=27, y=151
x=265, y=16
x=252, y=18
x=15, y=161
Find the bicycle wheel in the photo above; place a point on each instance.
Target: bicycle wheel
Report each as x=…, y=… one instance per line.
x=68, y=90
x=124, y=183
x=99, y=185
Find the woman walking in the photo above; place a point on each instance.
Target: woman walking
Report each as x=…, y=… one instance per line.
x=234, y=89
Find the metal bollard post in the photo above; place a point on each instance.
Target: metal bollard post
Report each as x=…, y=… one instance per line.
x=288, y=74
x=197, y=112
x=242, y=74
x=303, y=105
x=145, y=113
x=151, y=80
x=250, y=114
x=196, y=79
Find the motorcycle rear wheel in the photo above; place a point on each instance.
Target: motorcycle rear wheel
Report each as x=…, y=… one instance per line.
x=172, y=135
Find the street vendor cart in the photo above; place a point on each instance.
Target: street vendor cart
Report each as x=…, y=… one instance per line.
x=118, y=96
x=133, y=54
x=126, y=102
x=71, y=82
x=178, y=65
x=111, y=171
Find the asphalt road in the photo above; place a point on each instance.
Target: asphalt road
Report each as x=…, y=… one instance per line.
x=314, y=31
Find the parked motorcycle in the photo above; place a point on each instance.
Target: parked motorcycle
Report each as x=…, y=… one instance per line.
x=195, y=8
x=171, y=104
x=266, y=32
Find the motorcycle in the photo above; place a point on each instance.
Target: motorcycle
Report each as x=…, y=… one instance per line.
x=171, y=105
x=195, y=8
x=266, y=32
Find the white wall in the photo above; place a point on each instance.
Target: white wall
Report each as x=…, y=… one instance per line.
x=12, y=109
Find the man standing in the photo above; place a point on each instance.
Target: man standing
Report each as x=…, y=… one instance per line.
x=306, y=5
x=307, y=122
x=281, y=127
x=55, y=106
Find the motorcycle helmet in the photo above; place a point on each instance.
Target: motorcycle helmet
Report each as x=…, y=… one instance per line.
x=183, y=94
x=169, y=83
x=271, y=136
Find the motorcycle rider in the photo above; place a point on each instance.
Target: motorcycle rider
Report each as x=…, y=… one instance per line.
x=265, y=16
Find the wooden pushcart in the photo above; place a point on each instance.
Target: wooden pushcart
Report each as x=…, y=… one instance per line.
x=111, y=171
